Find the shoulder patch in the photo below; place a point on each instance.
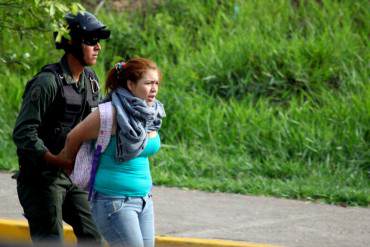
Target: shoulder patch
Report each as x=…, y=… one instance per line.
x=35, y=93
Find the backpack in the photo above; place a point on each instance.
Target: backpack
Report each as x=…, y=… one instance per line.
x=87, y=159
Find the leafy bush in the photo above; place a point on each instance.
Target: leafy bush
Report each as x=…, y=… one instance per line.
x=262, y=97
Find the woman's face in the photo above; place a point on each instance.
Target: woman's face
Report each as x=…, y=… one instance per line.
x=147, y=87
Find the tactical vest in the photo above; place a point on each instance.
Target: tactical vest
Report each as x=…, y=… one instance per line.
x=68, y=108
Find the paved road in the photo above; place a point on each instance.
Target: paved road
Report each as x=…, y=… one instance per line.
x=187, y=213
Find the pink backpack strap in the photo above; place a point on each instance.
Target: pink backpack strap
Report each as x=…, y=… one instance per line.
x=106, y=123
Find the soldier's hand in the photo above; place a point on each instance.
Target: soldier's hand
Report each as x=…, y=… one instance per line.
x=69, y=162
x=59, y=161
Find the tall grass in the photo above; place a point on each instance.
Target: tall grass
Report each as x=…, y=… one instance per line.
x=303, y=152
x=262, y=97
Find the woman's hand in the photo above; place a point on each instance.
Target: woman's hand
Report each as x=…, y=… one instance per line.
x=67, y=160
x=61, y=161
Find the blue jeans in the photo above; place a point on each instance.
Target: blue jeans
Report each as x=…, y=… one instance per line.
x=124, y=221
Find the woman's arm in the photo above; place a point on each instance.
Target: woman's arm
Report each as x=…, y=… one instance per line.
x=86, y=130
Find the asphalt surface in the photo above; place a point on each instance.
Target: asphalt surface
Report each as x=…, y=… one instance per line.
x=195, y=214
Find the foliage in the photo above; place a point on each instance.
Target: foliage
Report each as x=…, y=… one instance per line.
x=262, y=97
x=30, y=23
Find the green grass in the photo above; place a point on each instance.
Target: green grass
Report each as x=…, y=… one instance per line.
x=262, y=97
x=305, y=152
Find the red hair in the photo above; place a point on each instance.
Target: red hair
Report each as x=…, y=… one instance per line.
x=132, y=70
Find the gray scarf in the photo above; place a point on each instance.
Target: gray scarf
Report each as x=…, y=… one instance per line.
x=134, y=119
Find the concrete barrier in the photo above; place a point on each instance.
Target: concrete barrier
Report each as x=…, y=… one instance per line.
x=16, y=231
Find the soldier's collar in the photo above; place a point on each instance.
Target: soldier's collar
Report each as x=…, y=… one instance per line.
x=68, y=75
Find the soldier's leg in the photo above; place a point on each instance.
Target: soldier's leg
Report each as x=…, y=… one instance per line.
x=76, y=212
x=42, y=204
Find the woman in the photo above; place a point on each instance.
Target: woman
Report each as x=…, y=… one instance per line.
x=122, y=203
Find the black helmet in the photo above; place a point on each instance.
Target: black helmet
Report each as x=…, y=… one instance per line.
x=84, y=28
x=86, y=25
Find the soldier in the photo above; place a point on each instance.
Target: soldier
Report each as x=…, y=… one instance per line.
x=54, y=101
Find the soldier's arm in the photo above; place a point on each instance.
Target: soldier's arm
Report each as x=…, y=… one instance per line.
x=36, y=101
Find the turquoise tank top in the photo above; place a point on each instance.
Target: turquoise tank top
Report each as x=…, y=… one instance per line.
x=129, y=178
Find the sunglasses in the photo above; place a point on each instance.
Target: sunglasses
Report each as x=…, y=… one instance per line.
x=90, y=41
